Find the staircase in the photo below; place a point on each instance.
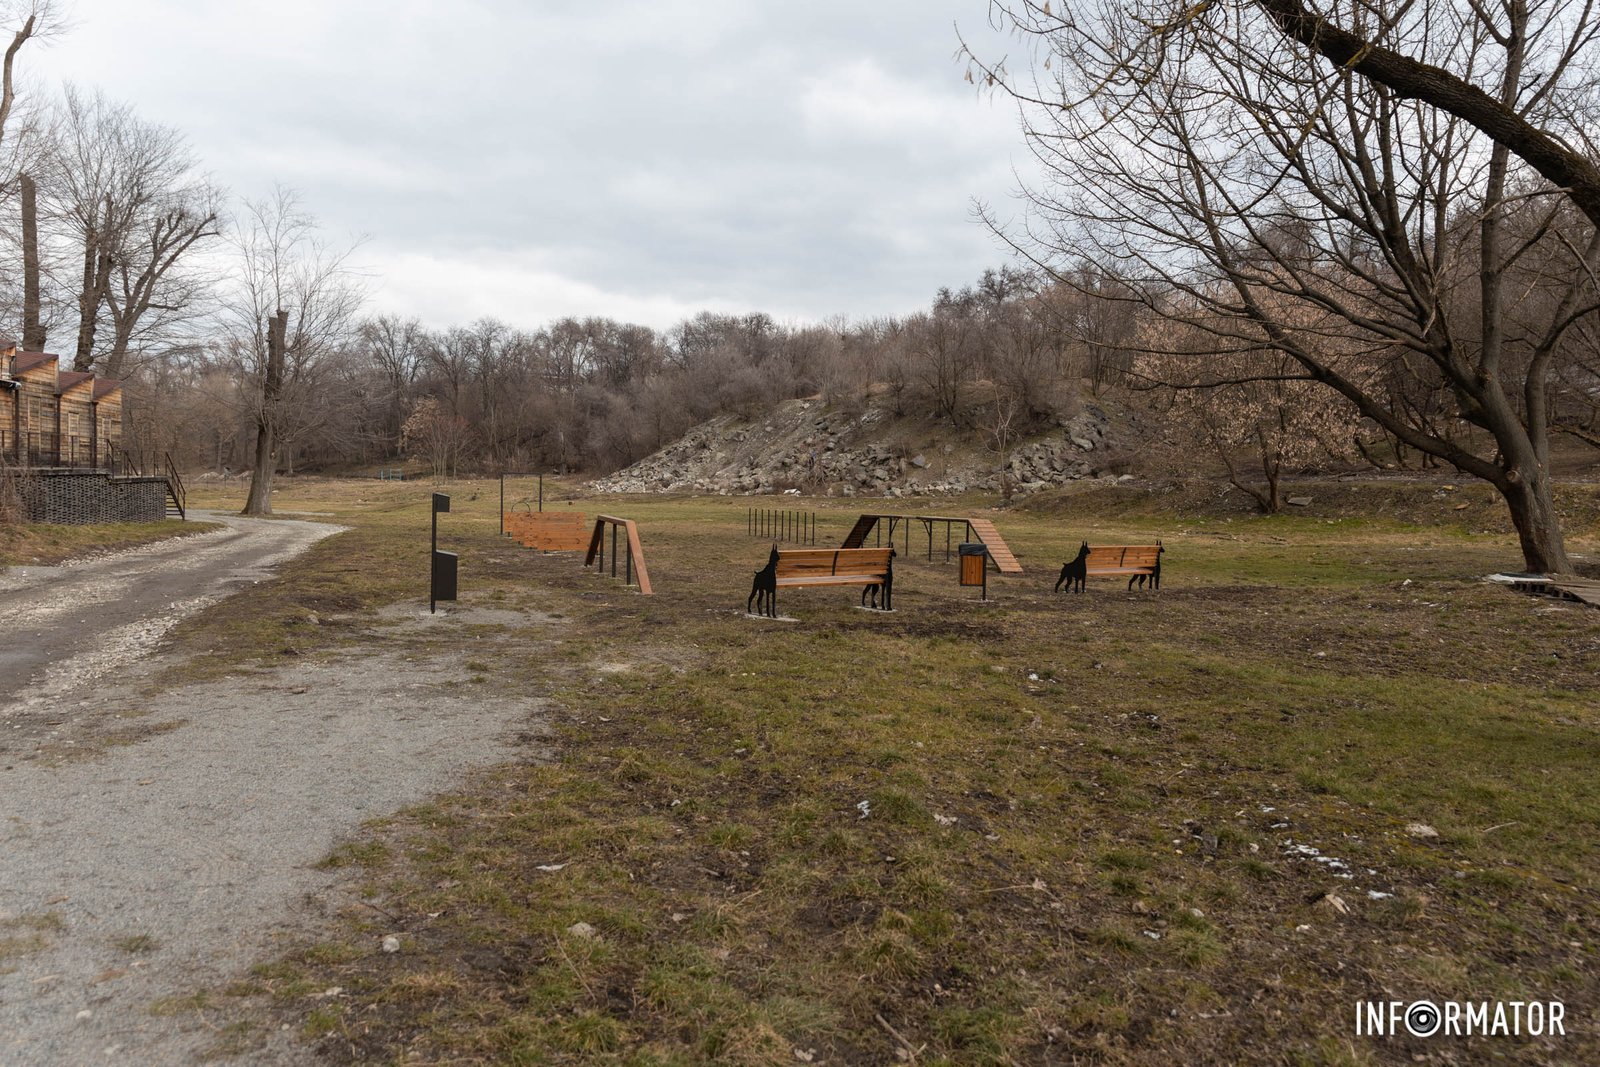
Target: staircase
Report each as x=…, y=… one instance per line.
x=177, y=495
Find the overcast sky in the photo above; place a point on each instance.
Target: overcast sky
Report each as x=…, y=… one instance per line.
x=640, y=160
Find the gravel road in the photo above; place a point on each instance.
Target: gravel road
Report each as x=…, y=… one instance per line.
x=70, y=627
x=153, y=869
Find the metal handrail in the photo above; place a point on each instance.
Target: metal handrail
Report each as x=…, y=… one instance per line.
x=44, y=448
x=180, y=495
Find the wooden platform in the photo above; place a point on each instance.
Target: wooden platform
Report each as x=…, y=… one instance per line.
x=982, y=529
x=1586, y=590
x=1560, y=586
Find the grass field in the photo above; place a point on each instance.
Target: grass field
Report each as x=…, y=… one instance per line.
x=36, y=544
x=1111, y=828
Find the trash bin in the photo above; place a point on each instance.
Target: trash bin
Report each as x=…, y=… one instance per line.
x=444, y=576
x=975, y=565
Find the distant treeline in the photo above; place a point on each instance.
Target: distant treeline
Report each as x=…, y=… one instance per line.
x=595, y=394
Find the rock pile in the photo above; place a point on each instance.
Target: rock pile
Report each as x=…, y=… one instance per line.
x=809, y=446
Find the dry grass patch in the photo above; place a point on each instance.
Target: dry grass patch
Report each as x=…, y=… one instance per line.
x=1100, y=828
x=42, y=544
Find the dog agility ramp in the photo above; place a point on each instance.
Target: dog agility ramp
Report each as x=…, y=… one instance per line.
x=999, y=551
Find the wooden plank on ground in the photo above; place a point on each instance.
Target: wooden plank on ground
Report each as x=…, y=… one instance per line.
x=1585, y=589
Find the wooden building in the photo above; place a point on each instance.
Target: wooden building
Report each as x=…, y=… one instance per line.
x=55, y=418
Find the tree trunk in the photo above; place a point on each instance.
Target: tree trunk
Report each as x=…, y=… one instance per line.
x=260, y=500
x=96, y=277
x=121, y=341
x=33, y=335
x=1538, y=526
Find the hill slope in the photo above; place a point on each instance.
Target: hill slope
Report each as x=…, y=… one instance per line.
x=827, y=449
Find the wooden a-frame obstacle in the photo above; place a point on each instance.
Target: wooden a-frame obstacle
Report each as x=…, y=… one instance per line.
x=635, y=553
x=977, y=530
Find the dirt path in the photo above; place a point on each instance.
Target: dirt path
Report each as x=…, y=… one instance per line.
x=67, y=628
x=151, y=870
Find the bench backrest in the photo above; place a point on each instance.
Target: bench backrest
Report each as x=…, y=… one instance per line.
x=811, y=562
x=1123, y=556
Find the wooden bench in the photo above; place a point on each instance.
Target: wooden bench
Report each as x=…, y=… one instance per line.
x=826, y=566
x=1136, y=561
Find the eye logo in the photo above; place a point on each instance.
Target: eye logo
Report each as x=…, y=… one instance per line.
x=1423, y=1019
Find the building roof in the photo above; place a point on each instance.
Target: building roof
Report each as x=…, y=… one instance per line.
x=69, y=378
x=106, y=386
x=26, y=361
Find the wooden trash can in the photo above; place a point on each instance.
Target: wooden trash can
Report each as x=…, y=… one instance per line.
x=975, y=566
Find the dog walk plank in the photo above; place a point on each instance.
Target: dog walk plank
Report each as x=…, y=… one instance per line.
x=999, y=551
x=858, y=533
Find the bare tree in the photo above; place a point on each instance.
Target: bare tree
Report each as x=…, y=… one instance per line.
x=293, y=304
x=32, y=20
x=125, y=194
x=1002, y=426
x=33, y=331
x=1247, y=409
x=155, y=285
x=1242, y=185
x=942, y=343
x=395, y=346
x=433, y=430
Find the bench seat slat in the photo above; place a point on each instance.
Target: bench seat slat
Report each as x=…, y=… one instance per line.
x=833, y=579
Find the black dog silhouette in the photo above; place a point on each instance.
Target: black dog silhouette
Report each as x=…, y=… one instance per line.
x=764, y=590
x=1154, y=576
x=886, y=587
x=1076, y=571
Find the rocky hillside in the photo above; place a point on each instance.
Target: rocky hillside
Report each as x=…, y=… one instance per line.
x=820, y=448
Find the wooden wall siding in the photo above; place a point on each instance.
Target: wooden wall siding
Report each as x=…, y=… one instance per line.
x=75, y=417
x=38, y=413
x=73, y=424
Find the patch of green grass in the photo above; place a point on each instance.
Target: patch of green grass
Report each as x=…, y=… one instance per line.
x=355, y=853
x=180, y=1005
x=321, y=1022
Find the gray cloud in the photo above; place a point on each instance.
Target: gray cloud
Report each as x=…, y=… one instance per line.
x=641, y=160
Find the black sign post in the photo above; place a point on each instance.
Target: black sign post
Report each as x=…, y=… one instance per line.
x=442, y=583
